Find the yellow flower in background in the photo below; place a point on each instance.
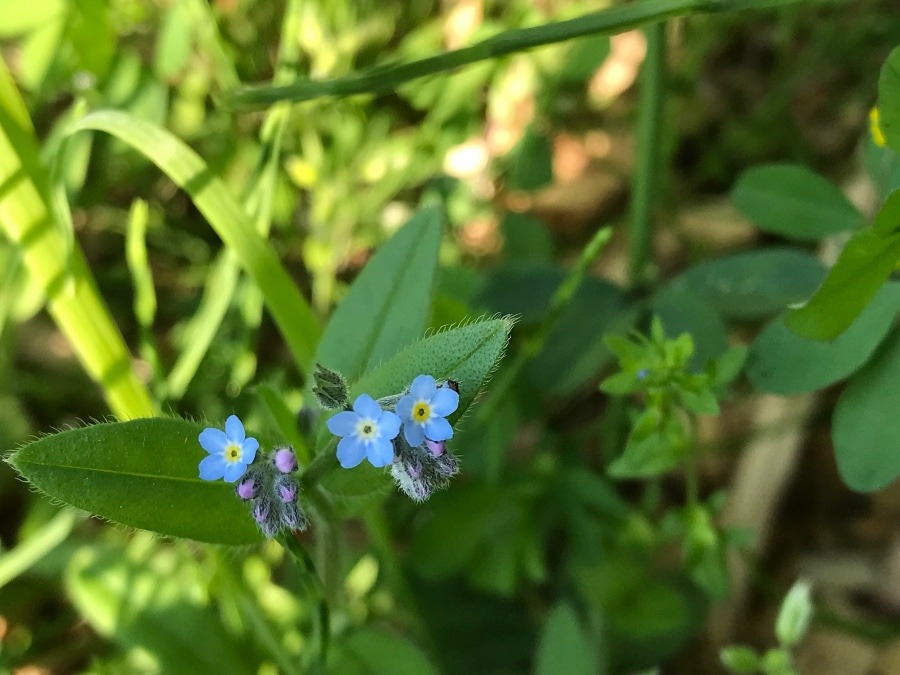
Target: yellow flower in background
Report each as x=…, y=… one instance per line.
x=875, y=127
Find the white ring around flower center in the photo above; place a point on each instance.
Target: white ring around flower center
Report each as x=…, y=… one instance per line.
x=366, y=429
x=233, y=452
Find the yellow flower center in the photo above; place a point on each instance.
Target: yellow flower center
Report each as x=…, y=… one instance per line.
x=232, y=452
x=421, y=411
x=366, y=429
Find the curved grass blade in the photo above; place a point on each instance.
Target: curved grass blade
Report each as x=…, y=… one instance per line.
x=72, y=297
x=295, y=318
x=382, y=79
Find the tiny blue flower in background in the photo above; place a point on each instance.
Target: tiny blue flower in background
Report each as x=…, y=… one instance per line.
x=642, y=373
x=423, y=411
x=367, y=432
x=230, y=451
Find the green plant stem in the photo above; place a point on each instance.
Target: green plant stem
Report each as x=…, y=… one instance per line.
x=40, y=543
x=386, y=78
x=314, y=587
x=649, y=140
x=561, y=299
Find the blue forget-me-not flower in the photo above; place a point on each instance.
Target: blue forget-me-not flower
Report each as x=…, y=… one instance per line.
x=367, y=432
x=424, y=410
x=230, y=451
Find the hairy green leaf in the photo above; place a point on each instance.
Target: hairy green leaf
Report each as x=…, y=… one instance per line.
x=142, y=473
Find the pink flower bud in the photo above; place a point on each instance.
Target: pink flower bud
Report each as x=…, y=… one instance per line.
x=435, y=447
x=285, y=460
x=246, y=489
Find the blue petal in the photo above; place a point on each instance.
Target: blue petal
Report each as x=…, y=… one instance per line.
x=350, y=451
x=423, y=387
x=445, y=401
x=342, y=424
x=438, y=429
x=234, y=429
x=366, y=406
x=380, y=452
x=213, y=441
x=212, y=467
x=248, y=450
x=405, y=406
x=414, y=434
x=389, y=425
x=234, y=471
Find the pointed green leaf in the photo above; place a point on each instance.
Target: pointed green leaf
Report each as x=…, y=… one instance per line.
x=388, y=303
x=141, y=473
x=564, y=648
x=863, y=266
x=466, y=355
x=794, y=202
x=782, y=362
x=866, y=424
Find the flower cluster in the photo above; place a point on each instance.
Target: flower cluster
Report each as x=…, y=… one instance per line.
x=267, y=486
x=418, y=459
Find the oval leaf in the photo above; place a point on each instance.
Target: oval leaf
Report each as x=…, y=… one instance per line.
x=388, y=303
x=863, y=266
x=792, y=201
x=755, y=284
x=889, y=99
x=866, y=426
x=141, y=473
x=782, y=362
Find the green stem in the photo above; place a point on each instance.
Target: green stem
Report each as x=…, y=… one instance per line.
x=649, y=135
x=387, y=78
x=313, y=586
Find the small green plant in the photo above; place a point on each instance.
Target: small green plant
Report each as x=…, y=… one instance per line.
x=790, y=629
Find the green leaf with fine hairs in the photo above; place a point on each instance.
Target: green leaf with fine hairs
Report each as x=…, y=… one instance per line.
x=782, y=362
x=291, y=311
x=794, y=202
x=142, y=473
x=466, y=355
x=889, y=99
x=866, y=427
x=564, y=648
x=862, y=268
x=387, y=305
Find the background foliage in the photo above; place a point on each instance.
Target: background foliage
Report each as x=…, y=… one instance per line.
x=174, y=244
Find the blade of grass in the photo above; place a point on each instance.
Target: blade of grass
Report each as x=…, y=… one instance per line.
x=293, y=315
x=382, y=79
x=17, y=561
x=72, y=297
x=222, y=281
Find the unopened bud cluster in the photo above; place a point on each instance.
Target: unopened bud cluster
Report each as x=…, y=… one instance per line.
x=271, y=492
